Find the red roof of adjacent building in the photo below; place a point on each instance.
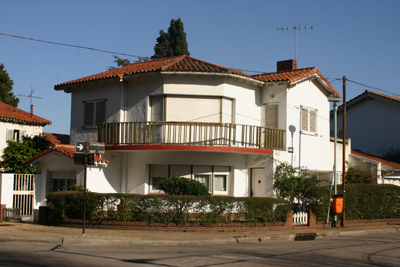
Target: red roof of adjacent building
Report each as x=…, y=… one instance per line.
x=383, y=95
x=67, y=150
x=12, y=114
x=55, y=138
x=293, y=76
x=171, y=64
x=385, y=162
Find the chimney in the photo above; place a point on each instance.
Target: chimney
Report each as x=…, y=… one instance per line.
x=285, y=65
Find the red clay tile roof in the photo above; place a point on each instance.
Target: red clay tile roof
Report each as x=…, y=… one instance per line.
x=383, y=95
x=293, y=76
x=385, y=162
x=15, y=115
x=67, y=150
x=55, y=138
x=172, y=64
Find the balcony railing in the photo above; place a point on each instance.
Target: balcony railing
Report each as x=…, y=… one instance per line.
x=191, y=133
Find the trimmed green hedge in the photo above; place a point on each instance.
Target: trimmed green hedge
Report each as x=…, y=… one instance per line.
x=371, y=201
x=166, y=208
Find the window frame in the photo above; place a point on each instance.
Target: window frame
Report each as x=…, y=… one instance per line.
x=97, y=113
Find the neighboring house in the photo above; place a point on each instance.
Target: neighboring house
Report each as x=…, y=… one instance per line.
x=383, y=171
x=182, y=116
x=371, y=122
x=16, y=123
x=57, y=138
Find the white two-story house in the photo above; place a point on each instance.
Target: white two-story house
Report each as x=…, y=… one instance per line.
x=182, y=116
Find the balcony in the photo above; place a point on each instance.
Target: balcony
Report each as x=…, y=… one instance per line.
x=191, y=133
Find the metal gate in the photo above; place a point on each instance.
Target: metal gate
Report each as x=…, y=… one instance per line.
x=23, y=193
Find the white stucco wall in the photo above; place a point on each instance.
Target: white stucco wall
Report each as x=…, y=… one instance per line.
x=25, y=130
x=6, y=189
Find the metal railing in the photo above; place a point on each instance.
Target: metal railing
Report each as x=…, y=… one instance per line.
x=191, y=133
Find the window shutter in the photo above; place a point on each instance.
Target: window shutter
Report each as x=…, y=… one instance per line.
x=10, y=135
x=100, y=111
x=271, y=116
x=313, y=121
x=157, y=108
x=89, y=114
x=304, y=119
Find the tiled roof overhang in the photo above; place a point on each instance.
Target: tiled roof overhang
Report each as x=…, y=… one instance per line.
x=12, y=114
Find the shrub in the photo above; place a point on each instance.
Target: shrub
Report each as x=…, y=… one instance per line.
x=183, y=187
x=358, y=175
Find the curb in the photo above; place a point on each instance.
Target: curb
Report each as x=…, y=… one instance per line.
x=191, y=242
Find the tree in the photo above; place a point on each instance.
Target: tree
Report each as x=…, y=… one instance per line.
x=358, y=175
x=6, y=85
x=17, y=152
x=172, y=43
x=294, y=184
x=391, y=154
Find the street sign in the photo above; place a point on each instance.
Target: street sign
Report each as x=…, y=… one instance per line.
x=80, y=147
x=96, y=148
x=290, y=149
x=90, y=159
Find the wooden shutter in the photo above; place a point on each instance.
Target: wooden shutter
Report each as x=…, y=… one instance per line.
x=313, y=120
x=157, y=107
x=304, y=119
x=227, y=110
x=10, y=135
x=100, y=111
x=271, y=116
x=89, y=114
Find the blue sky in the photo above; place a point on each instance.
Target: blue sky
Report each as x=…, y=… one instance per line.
x=358, y=39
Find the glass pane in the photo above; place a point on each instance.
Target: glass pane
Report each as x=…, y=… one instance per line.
x=156, y=182
x=204, y=179
x=219, y=182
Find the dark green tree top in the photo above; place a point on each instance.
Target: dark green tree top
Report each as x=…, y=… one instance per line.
x=6, y=85
x=172, y=43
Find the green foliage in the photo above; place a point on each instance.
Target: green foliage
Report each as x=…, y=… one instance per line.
x=391, y=154
x=173, y=42
x=183, y=187
x=6, y=86
x=166, y=209
x=358, y=175
x=292, y=184
x=17, y=152
x=371, y=201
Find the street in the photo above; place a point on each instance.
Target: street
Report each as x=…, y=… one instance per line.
x=363, y=250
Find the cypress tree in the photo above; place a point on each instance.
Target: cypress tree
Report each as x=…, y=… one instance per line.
x=172, y=43
x=6, y=85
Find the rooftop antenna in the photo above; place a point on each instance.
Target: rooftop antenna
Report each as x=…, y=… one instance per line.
x=31, y=97
x=295, y=28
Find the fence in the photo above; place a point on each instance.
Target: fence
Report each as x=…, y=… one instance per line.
x=23, y=193
x=12, y=214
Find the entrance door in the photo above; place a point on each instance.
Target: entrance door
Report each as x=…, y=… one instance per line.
x=257, y=182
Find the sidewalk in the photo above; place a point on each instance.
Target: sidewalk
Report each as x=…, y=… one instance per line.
x=28, y=232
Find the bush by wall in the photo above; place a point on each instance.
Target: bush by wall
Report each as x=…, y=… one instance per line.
x=181, y=186
x=166, y=208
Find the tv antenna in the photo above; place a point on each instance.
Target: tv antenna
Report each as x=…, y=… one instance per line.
x=31, y=97
x=295, y=28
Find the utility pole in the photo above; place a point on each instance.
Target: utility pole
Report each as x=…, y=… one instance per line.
x=295, y=28
x=31, y=97
x=344, y=149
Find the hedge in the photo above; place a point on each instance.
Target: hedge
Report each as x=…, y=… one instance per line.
x=371, y=201
x=166, y=208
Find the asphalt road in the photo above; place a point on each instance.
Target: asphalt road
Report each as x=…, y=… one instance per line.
x=363, y=250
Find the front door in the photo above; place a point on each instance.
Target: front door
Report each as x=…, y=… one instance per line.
x=257, y=182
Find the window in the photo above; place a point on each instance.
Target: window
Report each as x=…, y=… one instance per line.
x=309, y=120
x=62, y=180
x=215, y=178
x=13, y=135
x=271, y=116
x=95, y=112
x=204, y=179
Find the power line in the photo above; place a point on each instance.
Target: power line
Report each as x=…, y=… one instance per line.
x=75, y=46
